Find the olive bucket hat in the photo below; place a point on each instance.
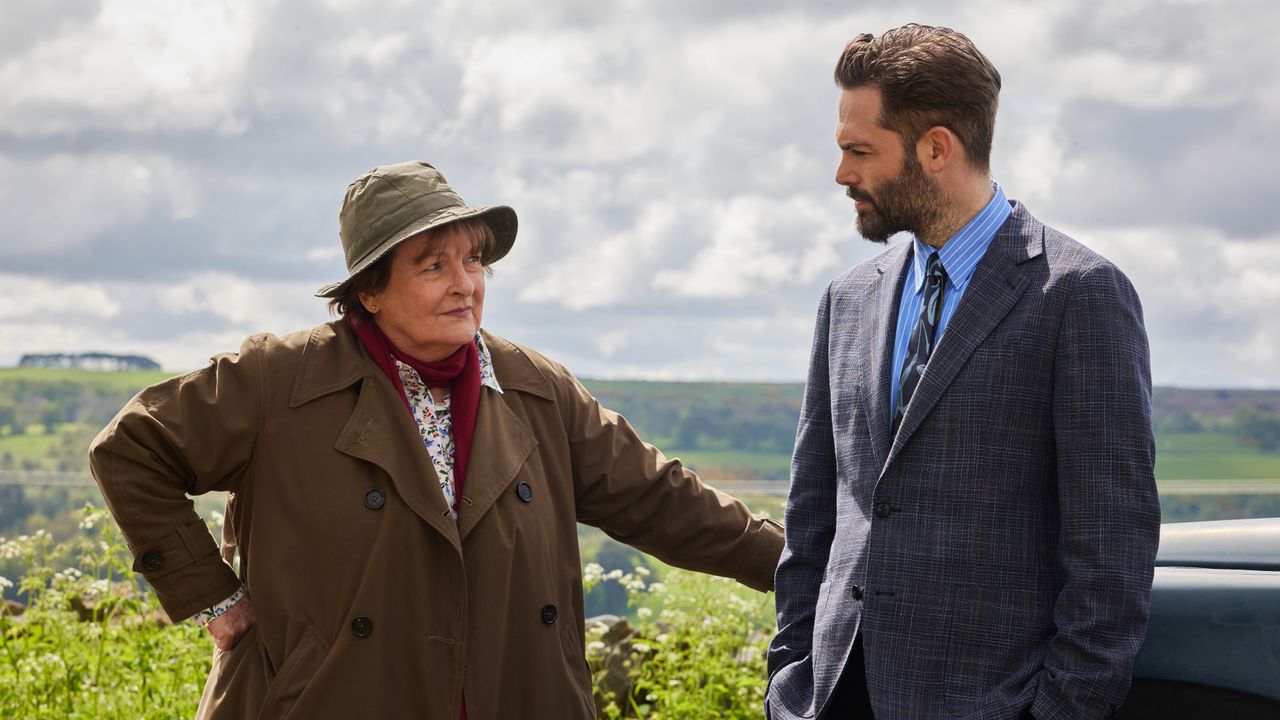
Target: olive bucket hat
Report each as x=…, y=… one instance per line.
x=392, y=203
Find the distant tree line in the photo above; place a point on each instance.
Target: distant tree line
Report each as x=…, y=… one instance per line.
x=762, y=420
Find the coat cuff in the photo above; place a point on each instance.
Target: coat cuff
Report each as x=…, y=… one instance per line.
x=185, y=570
x=761, y=558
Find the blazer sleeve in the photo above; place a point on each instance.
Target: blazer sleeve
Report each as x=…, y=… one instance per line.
x=185, y=436
x=638, y=496
x=1108, y=507
x=810, y=514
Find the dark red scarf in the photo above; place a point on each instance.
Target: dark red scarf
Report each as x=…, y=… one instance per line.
x=460, y=372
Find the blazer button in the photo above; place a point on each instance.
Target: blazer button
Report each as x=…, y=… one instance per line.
x=549, y=614
x=361, y=627
x=883, y=510
x=525, y=492
x=152, y=560
x=375, y=499
x=856, y=592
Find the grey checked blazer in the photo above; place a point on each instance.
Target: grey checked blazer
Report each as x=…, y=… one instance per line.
x=996, y=555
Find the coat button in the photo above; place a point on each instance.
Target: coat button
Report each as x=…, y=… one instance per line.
x=856, y=592
x=525, y=492
x=152, y=560
x=549, y=614
x=883, y=510
x=375, y=499
x=361, y=626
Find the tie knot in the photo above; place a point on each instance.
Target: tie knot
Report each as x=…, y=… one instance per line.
x=933, y=269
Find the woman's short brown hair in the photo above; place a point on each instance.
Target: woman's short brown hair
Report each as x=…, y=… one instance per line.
x=374, y=278
x=927, y=77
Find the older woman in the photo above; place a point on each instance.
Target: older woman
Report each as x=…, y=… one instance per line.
x=404, y=489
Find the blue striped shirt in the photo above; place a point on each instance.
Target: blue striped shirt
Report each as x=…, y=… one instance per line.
x=959, y=256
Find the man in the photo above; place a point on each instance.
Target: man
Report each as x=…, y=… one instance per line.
x=972, y=519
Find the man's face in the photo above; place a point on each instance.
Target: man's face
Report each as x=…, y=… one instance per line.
x=891, y=192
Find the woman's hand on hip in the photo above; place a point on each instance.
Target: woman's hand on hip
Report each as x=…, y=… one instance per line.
x=228, y=627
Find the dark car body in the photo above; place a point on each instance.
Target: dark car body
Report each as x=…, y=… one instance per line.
x=1213, y=646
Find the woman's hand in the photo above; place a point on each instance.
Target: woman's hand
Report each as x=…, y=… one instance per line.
x=228, y=627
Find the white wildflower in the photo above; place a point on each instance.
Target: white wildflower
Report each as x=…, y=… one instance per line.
x=644, y=613
x=5, y=583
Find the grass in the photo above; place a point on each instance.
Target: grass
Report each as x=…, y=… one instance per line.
x=121, y=381
x=1209, y=455
x=28, y=446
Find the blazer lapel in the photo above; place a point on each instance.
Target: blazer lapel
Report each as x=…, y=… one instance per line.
x=877, y=320
x=994, y=289
x=502, y=442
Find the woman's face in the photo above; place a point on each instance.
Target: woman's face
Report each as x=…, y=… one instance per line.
x=434, y=298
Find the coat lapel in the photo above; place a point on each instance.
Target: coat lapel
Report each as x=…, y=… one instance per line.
x=878, y=318
x=994, y=289
x=502, y=443
x=380, y=431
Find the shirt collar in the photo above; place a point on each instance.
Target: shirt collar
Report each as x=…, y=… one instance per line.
x=963, y=250
x=487, y=376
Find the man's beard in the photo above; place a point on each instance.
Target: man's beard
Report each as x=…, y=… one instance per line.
x=907, y=202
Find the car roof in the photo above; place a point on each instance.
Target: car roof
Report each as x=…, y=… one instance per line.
x=1252, y=544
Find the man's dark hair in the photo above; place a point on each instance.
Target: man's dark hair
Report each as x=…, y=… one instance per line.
x=927, y=76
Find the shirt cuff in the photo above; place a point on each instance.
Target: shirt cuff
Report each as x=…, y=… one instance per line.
x=204, y=617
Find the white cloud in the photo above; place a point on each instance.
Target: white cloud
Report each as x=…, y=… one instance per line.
x=140, y=65
x=169, y=173
x=60, y=202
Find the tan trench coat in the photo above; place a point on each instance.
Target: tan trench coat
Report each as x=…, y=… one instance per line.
x=371, y=601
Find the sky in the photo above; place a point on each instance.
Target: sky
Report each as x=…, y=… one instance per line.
x=170, y=173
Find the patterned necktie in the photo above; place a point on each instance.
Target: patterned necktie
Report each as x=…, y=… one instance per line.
x=922, y=336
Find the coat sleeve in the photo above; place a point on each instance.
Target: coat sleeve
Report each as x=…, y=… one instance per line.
x=810, y=515
x=185, y=436
x=1109, y=509
x=638, y=496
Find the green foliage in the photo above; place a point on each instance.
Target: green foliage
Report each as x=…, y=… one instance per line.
x=92, y=643
x=697, y=648
x=755, y=418
x=1258, y=427
x=1179, y=421
x=1212, y=454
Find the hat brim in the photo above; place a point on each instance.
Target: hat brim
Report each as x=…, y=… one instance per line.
x=500, y=219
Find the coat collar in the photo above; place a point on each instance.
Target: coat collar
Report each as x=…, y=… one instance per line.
x=381, y=432
x=333, y=359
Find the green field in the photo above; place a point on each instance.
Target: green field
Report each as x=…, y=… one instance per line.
x=111, y=381
x=1212, y=455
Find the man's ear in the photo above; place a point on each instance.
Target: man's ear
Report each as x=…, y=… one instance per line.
x=938, y=148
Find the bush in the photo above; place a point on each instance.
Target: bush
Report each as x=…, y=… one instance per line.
x=697, y=649
x=92, y=641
